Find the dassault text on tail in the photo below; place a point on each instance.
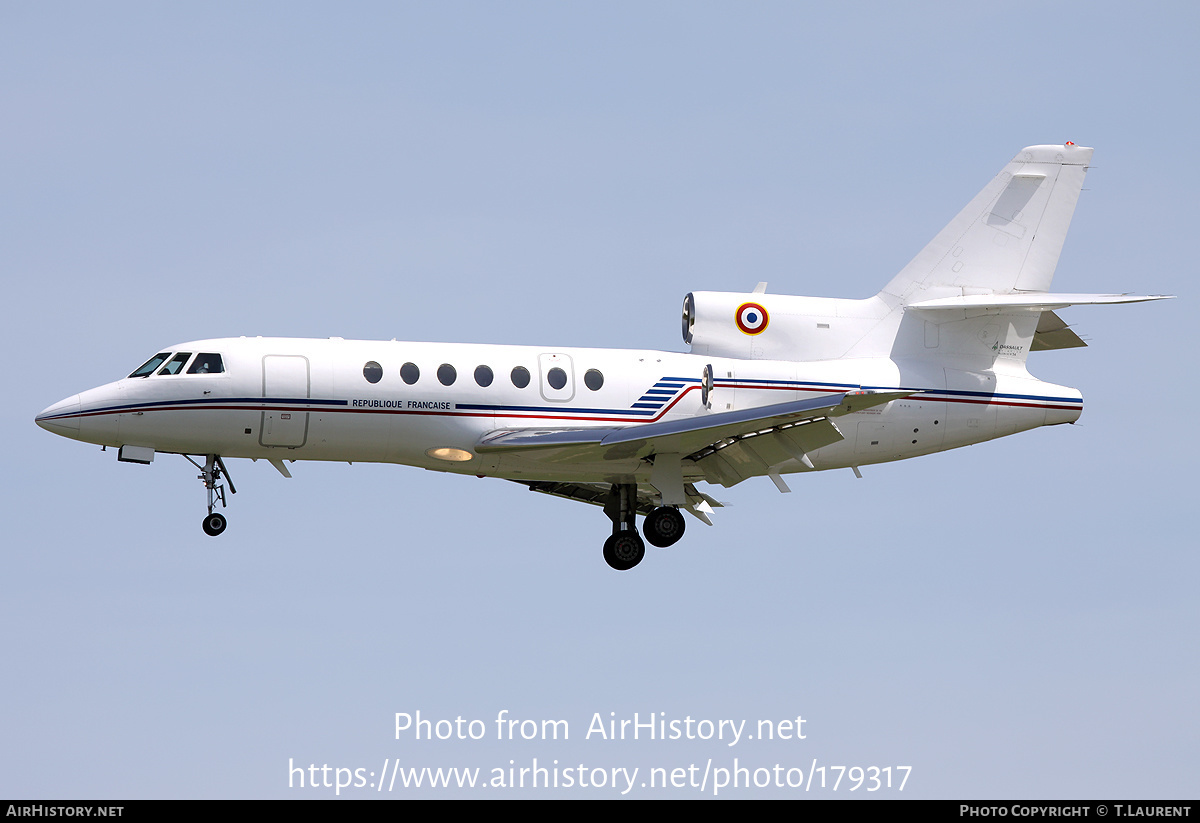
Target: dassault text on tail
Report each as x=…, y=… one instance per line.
x=773, y=384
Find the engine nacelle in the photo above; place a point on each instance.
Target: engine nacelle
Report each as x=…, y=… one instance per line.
x=758, y=326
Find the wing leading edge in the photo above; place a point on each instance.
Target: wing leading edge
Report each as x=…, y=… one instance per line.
x=727, y=447
x=686, y=436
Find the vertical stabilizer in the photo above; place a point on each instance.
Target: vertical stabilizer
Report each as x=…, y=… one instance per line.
x=1008, y=238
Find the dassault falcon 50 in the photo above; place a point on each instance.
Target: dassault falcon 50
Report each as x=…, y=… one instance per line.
x=772, y=385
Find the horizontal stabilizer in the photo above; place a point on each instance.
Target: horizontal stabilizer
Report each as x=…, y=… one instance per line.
x=1031, y=301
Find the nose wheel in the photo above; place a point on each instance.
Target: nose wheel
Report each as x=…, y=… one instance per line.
x=214, y=524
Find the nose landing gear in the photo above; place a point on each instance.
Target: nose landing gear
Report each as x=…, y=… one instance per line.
x=211, y=473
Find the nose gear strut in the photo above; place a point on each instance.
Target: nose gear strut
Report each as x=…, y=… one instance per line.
x=212, y=473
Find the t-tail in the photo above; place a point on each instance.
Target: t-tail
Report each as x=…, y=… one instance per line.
x=976, y=298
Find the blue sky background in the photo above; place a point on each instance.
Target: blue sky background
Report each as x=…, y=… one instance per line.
x=1015, y=619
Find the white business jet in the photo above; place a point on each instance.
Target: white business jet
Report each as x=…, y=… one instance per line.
x=773, y=384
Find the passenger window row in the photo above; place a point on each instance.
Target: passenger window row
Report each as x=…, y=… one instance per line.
x=410, y=373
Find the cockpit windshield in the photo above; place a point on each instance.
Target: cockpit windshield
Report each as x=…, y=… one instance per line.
x=176, y=364
x=205, y=363
x=150, y=365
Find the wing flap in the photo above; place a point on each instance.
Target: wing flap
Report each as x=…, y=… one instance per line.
x=728, y=463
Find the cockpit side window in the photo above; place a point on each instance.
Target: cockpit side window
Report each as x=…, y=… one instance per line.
x=207, y=363
x=147, y=368
x=175, y=366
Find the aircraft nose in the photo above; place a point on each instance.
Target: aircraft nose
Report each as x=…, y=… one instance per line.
x=61, y=418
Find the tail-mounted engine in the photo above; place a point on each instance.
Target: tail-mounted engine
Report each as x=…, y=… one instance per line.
x=759, y=326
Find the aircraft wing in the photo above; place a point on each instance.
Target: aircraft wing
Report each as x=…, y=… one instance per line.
x=726, y=445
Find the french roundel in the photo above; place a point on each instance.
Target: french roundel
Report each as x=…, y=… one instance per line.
x=752, y=318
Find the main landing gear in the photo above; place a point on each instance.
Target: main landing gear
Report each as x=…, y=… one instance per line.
x=211, y=473
x=663, y=526
x=625, y=549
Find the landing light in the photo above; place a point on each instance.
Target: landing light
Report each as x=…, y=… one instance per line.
x=451, y=455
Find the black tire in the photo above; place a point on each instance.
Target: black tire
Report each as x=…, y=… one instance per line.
x=624, y=550
x=214, y=524
x=663, y=527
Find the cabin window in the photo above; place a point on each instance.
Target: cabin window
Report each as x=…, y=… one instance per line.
x=409, y=373
x=520, y=377
x=373, y=372
x=175, y=366
x=150, y=365
x=483, y=375
x=207, y=363
x=593, y=379
x=447, y=375
x=556, y=377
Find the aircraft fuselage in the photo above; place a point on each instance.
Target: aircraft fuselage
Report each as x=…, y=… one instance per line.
x=303, y=399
